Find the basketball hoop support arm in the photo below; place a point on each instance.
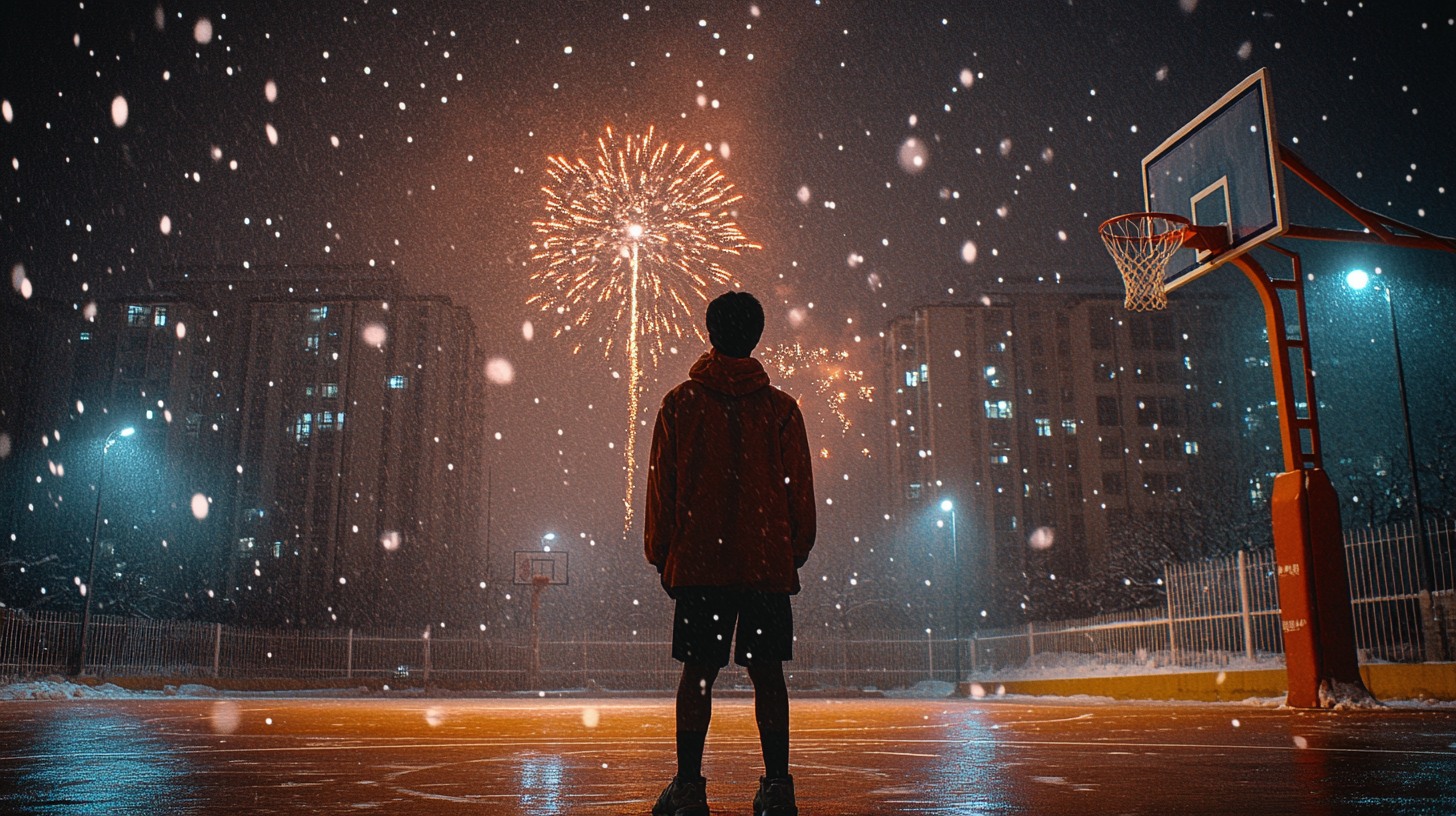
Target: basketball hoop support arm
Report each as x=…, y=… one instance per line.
x=1377, y=227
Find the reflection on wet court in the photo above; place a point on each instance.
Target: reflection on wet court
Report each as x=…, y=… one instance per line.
x=610, y=756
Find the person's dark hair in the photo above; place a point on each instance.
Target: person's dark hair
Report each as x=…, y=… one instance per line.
x=735, y=322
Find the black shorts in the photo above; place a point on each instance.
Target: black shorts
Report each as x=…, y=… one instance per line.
x=704, y=620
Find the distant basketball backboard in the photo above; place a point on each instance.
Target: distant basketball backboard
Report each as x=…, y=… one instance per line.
x=532, y=565
x=1222, y=168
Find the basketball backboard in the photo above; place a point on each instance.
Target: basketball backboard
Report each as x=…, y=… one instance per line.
x=533, y=564
x=1221, y=168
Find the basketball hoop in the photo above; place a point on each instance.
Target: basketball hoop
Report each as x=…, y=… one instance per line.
x=1142, y=244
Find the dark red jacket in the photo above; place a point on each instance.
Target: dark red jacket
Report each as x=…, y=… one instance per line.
x=730, y=492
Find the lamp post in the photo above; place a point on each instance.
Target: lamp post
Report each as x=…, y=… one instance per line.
x=538, y=586
x=948, y=506
x=78, y=658
x=1425, y=565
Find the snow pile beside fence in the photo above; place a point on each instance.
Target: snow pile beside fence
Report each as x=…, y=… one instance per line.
x=1063, y=665
x=63, y=690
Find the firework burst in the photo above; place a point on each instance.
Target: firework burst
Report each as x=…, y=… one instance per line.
x=631, y=240
x=828, y=372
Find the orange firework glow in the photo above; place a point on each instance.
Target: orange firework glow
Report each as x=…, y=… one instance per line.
x=826, y=369
x=630, y=240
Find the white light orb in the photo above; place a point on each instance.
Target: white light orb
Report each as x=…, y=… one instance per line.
x=119, y=111
x=1041, y=538
x=374, y=334
x=500, y=371
x=914, y=155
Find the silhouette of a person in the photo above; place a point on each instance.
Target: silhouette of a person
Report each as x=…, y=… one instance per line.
x=729, y=521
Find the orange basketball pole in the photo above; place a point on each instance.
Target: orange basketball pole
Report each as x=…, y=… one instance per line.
x=1314, y=589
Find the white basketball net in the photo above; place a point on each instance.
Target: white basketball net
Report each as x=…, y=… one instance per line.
x=1142, y=244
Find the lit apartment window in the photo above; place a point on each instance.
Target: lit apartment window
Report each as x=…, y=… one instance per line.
x=303, y=428
x=925, y=372
x=246, y=545
x=159, y=316
x=1190, y=447
x=399, y=381
x=85, y=336
x=992, y=378
x=1000, y=459
x=278, y=549
x=913, y=491
x=138, y=315
x=1043, y=427
x=308, y=390
x=330, y=390
x=997, y=348
x=1069, y=426
x=311, y=342
x=326, y=421
x=317, y=313
x=912, y=379
x=998, y=409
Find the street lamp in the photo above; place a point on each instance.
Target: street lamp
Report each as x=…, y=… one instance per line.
x=78, y=660
x=948, y=506
x=1425, y=566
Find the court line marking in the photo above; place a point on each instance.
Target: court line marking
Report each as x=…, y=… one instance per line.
x=547, y=746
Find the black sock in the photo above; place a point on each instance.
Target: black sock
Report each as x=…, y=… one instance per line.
x=690, y=754
x=775, y=753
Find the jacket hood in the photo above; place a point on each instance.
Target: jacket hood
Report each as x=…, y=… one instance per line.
x=734, y=376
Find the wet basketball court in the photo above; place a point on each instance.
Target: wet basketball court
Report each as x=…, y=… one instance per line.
x=594, y=756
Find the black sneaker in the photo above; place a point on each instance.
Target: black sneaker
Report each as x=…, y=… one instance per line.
x=684, y=798
x=775, y=797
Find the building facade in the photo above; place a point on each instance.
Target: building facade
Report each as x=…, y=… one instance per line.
x=307, y=449
x=1049, y=418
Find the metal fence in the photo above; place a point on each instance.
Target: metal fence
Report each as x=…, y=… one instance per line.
x=1222, y=612
x=41, y=643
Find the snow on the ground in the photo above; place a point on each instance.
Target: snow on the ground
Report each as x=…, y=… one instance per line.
x=924, y=690
x=59, y=688
x=1069, y=665
x=1339, y=696
x=63, y=690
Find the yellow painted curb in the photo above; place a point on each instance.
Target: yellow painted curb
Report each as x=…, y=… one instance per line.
x=1387, y=681
x=1410, y=681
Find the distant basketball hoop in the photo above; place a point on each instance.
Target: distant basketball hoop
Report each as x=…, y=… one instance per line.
x=541, y=568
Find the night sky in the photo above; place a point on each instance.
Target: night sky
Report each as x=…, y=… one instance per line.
x=414, y=136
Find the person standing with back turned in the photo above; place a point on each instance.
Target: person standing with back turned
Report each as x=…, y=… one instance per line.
x=729, y=522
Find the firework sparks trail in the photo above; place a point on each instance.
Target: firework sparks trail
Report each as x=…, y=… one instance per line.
x=630, y=240
x=827, y=371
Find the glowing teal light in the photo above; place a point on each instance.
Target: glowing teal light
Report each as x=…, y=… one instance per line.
x=1357, y=279
x=127, y=431
x=946, y=505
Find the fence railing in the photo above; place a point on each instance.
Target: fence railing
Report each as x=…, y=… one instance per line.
x=1217, y=613
x=1226, y=609
x=41, y=643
